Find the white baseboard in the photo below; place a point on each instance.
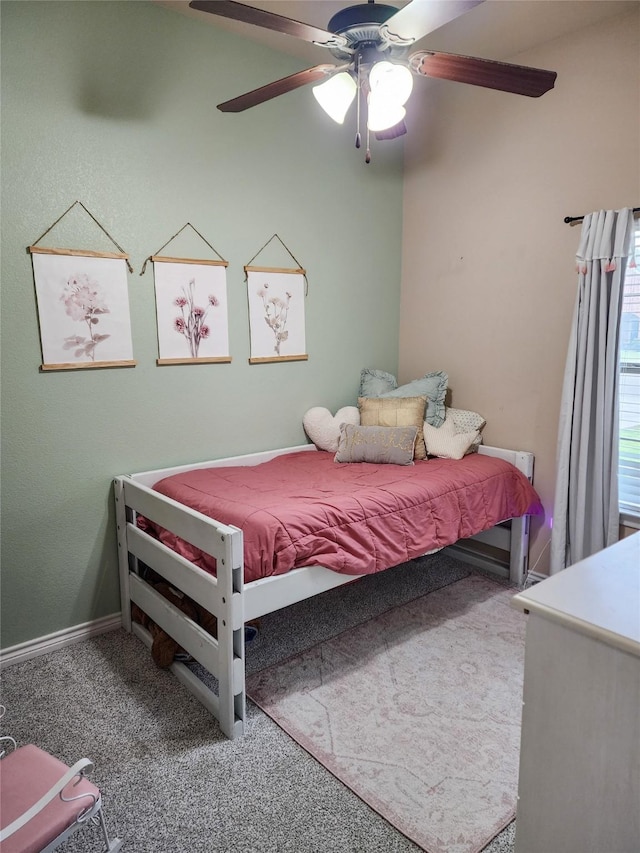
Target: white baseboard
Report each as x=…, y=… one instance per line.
x=51, y=642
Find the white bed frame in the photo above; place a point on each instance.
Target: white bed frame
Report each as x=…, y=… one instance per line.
x=227, y=596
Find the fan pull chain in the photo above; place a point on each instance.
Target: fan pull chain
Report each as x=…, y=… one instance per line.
x=359, y=90
x=367, y=156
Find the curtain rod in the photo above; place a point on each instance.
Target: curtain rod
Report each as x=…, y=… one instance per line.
x=569, y=219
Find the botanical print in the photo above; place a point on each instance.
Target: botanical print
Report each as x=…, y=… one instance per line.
x=190, y=324
x=276, y=311
x=83, y=308
x=191, y=306
x=276, y=315
x=83, y=302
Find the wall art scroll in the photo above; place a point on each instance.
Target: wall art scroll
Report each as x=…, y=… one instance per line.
x=276, y=314
x=83, y=308
x=191, y=309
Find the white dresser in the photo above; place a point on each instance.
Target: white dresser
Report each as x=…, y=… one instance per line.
x=579, y=786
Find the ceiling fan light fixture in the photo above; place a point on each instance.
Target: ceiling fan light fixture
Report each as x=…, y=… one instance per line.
x=336, y=95
x=371, y=40
x=391, y=81
x=383, y=113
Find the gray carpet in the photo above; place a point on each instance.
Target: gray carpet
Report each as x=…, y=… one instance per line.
x=170, y=780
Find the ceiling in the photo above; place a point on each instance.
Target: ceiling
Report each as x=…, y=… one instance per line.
x=496, y=29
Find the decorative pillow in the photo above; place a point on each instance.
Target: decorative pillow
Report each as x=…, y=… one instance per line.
x=395, y=412
x=323, y=428
x=445, y=442
x=433, y=386
x=466, y=421
x=374, y=382
x=382, y=445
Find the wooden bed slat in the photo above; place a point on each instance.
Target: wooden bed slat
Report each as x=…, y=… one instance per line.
x=191, y=681
x=150, y=478
x=190, y=525
x=498, y=537
x=519, y=550
x=277, y=591
x=194, y=639
x=177, y=570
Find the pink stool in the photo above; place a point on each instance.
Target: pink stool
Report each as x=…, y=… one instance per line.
x=43, y=802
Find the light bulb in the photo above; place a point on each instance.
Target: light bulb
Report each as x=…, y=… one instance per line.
x=391, y=81
x=383, y=112
x=335, y=95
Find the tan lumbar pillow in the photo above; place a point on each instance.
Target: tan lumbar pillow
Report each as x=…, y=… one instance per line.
x=396, y=412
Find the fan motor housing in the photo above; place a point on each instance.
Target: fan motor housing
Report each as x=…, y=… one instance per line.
x=360, y=25
x=366, y=16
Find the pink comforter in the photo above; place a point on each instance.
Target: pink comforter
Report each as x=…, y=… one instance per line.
x=304, y=509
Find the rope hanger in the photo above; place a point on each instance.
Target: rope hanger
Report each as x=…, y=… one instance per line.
x=299, y=268
x=102, y=228
x=186, y=225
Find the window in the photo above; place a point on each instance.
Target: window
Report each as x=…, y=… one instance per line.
x=629, y=456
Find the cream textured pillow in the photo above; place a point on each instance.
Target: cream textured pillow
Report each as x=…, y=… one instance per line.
x=396, y=412
x=464, y=420
x=445, y=442
x=381, y=445
x=323, y=428
x=467, y=421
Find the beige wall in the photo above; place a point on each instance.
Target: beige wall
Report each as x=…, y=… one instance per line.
x=488, y=279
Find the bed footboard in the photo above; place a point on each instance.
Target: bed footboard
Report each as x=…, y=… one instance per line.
x=222, y=596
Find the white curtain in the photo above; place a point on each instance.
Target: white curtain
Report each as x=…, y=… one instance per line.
x=585, y=517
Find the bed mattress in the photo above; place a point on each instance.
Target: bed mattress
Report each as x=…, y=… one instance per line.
x=304, y=509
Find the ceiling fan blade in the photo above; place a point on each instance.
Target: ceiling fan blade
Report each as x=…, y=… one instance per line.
x=269, y=20
x=278, y=87
x=422, y=17
x=392, y=132
x=519, y=79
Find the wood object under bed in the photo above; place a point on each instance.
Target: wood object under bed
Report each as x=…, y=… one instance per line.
x=242, y=590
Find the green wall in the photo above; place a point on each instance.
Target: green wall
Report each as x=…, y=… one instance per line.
x=113, y=104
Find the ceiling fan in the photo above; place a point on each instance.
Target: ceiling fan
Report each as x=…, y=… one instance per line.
x=372, y=42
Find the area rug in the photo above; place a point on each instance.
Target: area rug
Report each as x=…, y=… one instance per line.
x=417, y=711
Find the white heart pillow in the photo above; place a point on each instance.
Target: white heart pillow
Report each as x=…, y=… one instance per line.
x=323, y=428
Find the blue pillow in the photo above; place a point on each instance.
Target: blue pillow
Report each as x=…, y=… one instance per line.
x=375, y=383
x=433, y=386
